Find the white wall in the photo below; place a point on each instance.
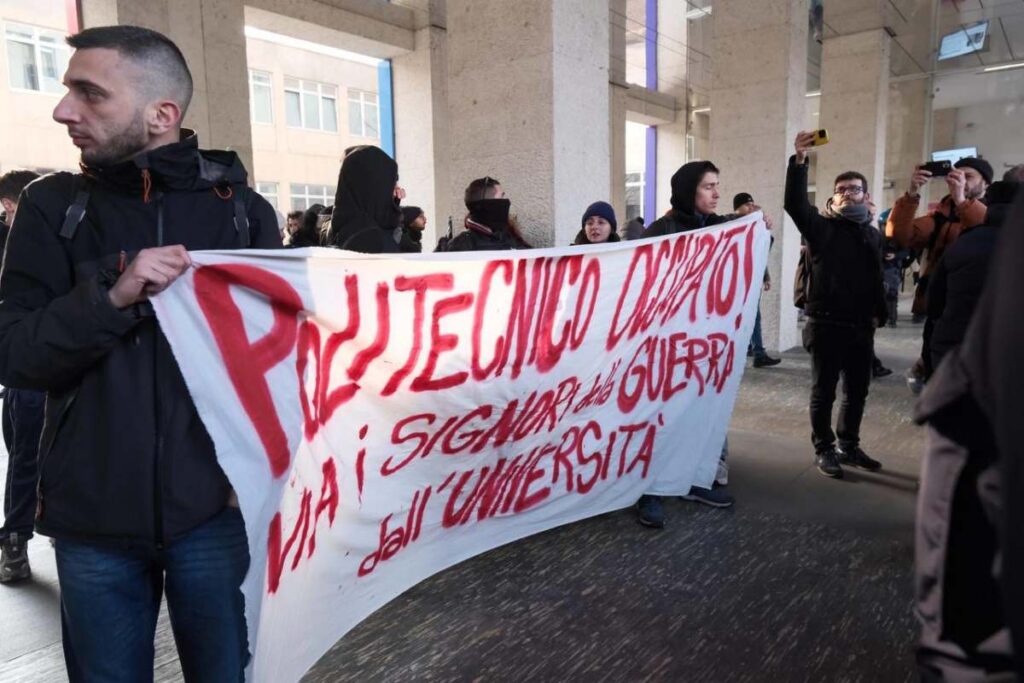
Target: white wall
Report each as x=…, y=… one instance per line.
x=996, y=129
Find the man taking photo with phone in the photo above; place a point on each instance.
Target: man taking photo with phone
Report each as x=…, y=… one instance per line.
x=845, y=303
x=935, y=231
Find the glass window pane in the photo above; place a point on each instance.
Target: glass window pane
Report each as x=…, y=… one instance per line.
x=48, y=70
x=355, y=118
x=291, y=83
x=329, y=91
x=299, y=203
x=19, y=31
x=310, y=111
x=261, y=77
x=330, y=114
x=293, y=114
x=371, y=97
x=21, y=64
x=372, y=124
x=262, y=111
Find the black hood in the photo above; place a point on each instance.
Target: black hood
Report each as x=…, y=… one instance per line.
x=366, y=197
x=177, y=167
x=684, y=185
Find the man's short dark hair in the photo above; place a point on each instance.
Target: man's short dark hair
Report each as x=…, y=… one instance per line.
x=481, y=188
x=851, y=175
x=166, y=72
x=295, y=215
x=13, y=182
x=1015, y=174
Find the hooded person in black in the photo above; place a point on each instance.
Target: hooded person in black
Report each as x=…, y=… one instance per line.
x=308, y=232
x=598, y=220
x=489, y=227
x=694, y=198
x=366, y=216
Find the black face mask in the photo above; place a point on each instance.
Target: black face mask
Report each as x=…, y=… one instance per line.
x=490, y=212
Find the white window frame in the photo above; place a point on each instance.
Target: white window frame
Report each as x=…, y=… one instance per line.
x=357, y=98
x=311, y=88
x=268, y=86
x=309, y=196
x=269, y=191
x=60, y=48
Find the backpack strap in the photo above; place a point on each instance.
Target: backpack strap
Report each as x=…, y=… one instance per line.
x=242, y=215
x=76, y=210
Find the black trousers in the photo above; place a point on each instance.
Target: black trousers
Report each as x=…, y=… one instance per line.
x=838, y=351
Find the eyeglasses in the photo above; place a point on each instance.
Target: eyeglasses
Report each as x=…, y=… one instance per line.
x=851, y=190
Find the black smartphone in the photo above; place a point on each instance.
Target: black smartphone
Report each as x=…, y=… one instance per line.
x=937, y=168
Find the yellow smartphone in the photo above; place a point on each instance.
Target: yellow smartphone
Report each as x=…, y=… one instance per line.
x=820, y=138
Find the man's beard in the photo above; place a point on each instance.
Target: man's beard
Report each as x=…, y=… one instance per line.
x=121, y=146
x=975, y=193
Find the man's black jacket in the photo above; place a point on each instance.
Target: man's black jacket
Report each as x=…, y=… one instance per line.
x=846, y=260
x=124, y=457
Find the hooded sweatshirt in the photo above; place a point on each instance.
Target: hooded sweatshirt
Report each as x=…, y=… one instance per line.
x=366, y=217
x=684, y=215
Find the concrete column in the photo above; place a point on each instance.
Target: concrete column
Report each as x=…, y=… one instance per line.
x=421, y=129
x=854, y=109
x=757, y=107
x=211, y=35
x=528, y=93
x=909, y=109
x=617, y=99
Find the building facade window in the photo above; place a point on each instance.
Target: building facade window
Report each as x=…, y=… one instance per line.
x=261, y=99
x=363, y=114
x=311, y=105
x=305, y=196
x=36, y=58
x=635, y=196
x=269, y=192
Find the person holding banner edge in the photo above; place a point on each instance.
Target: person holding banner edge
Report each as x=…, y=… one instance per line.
x=129, y=488
x=845, y=303
x=695, y=195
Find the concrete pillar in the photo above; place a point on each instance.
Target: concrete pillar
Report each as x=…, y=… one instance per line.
x=757, y=107
x=211, y=35
x=617, y=99
x=854, y=109
x=421, y=129
x=529, y=105
x=909, y=109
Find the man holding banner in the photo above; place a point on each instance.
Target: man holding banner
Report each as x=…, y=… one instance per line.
x=129, y=484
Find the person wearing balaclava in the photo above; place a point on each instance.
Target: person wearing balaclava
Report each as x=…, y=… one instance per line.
x=845, y=303
x=598, y=225
x=488, y=224
x=366, y=217
x=413, y=223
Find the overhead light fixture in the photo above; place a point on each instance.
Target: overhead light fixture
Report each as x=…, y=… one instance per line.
x=1003, y=67
x=698, y=13
x=701, y=110
x=816, y=93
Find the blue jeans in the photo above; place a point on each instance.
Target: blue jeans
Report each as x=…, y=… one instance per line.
x=756, y=341
x=110, y=599
x=22, y=427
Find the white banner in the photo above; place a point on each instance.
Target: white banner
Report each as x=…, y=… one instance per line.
x=383, y=418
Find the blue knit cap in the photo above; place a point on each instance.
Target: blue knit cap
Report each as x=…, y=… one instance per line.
x=602, y=209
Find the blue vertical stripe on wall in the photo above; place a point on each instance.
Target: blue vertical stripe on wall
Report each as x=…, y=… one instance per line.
x=385, y=98
x=650, y=207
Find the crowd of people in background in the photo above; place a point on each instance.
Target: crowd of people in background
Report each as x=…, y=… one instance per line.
x=79, y=343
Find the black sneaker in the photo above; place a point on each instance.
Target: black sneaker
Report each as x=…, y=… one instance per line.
x=855, y=457
x=716, y=497
x=880, y=371
x=13, y=560
x=765, y=361
x=650, y=512
x=828, y=463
